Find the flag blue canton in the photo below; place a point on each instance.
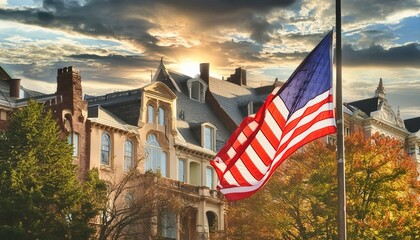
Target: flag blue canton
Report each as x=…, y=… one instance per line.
x=310, y=79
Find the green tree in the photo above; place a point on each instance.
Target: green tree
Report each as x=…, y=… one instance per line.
x=40, y=195
x=300, y=200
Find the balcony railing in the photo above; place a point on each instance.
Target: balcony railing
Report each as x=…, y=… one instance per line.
x=199, y=191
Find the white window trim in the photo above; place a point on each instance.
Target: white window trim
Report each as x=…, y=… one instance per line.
x=203, y=90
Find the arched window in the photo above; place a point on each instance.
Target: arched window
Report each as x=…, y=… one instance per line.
x=150, y=114
x=161, y=116
x=155, y=156
x=212, y=221
x=105, y=148
x=128, y=156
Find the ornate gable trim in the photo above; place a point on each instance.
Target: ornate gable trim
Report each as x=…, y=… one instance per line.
x=386, y=114
x=159, y=89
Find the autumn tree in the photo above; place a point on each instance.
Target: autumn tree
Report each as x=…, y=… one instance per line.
x=300, y=200
x=141, y=204
x=40, y=195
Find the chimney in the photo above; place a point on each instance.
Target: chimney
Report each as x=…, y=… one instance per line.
x=14, y=88
x=69, y=86
x=239, y=77
x=243, y=77
x=204, y=72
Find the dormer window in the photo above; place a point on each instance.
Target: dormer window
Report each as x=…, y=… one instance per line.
x=197, y=89
x=209, y=136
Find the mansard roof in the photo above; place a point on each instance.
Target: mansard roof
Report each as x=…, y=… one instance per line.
x=368, y=105
x=228, y=97
x=191, y=114
x=124, y=104
x=412, y=124
x=101, y=116
x=232, y=97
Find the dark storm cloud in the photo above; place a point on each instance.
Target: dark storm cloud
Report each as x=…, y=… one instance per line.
x=115, y=60
x=224, y=6
x=96, y=18
x=374, y=9
x=132, y=19
x=401, y=56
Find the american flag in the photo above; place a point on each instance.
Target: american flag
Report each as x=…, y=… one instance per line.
x=297, y=113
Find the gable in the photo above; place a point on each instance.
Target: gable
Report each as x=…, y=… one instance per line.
x=159, y=89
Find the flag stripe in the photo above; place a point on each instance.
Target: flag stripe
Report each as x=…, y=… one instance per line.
x=300, y=112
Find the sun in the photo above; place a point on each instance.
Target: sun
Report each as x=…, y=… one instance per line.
x=189, y=68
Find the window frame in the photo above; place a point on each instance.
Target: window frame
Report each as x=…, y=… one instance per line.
x=181, y=162
x=129, y=157
x=150, y=113
x=75, y=145
x=156, y=157
x=206, y=143
x=211, y=183
x=109, y=146
x=200, y=91
x=161, y=116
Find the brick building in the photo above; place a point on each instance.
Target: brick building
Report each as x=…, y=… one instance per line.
x=175, y=125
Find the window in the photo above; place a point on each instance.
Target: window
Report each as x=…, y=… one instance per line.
x=209, y=177
x=155, y=157
x=129, y=198
x=168, y=225
x=181, y=170
x=150, y=114
x=331, y=140
x=347, y=131
x=128, y=156
x=209, y=138
x=73, y=139
x=212, y=221
x=161, y=116
x=195, y=174
x=197, y=89
x=250, y=108
x=105, y=149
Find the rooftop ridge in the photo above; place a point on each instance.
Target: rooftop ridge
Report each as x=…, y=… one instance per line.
x=113, y=95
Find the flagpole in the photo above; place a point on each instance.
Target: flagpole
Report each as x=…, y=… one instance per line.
x=342, y=228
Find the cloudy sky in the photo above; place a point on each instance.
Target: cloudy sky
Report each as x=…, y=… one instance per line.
x=117, y=44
